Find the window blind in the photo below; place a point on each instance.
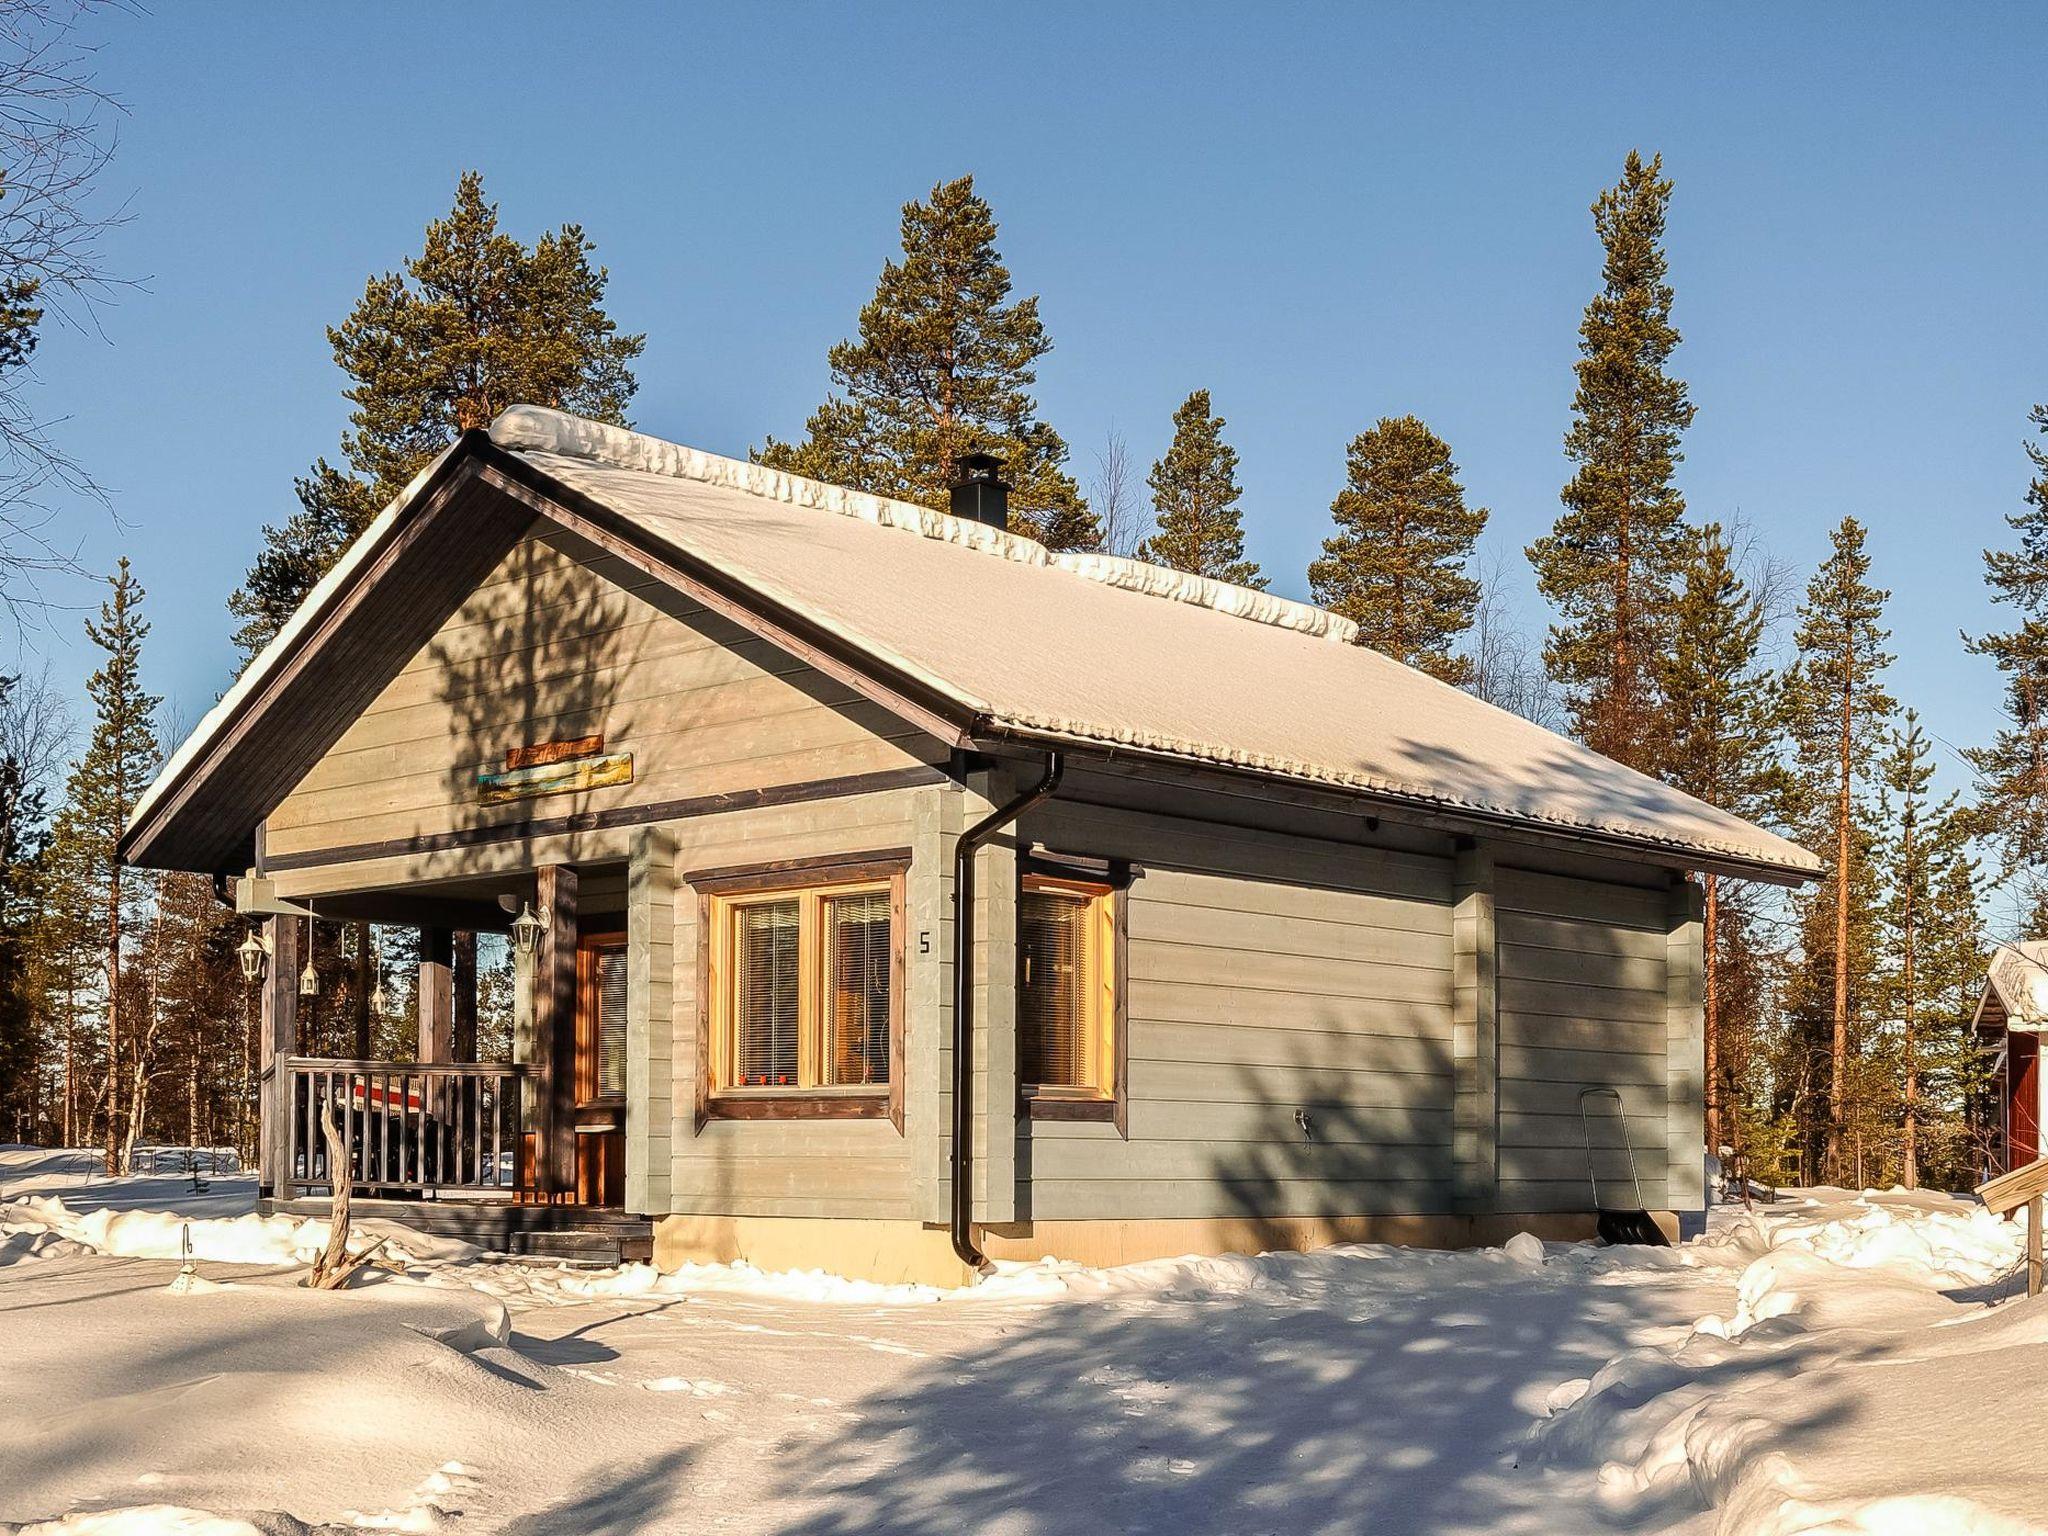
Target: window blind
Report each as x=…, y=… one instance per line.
x=1053, y=1013
x=611, y=1022
x=857, y=989
x=765, y=970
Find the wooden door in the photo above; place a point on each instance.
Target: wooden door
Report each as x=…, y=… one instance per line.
x=2023, y=1101
x=601, y=1069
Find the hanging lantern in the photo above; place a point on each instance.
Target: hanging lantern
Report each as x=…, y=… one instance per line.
x=377, y=997
x=254, y=953
x=309, y=979
x=527, y=928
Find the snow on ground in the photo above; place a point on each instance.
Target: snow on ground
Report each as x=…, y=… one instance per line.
x=1847, y=1363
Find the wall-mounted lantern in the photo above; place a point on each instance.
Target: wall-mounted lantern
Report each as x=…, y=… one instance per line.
x=527, y=928
x=254, y=953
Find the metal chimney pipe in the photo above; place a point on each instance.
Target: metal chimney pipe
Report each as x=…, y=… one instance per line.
x=978, y=492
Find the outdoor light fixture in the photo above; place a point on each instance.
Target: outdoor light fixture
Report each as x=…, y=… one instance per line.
x=528, y=927
x=309, y=979
x=254, y=952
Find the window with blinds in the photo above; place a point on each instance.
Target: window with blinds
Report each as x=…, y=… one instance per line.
x=766, y=957
x=1065, y=1011
x=805, y=995
x=856, y=1044
x=611, y=1023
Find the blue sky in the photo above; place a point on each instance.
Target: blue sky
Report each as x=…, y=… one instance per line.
x=1321, y=214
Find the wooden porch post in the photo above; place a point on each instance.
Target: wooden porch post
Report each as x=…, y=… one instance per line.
x=436, y=995
x=554, y=1034
x=463, y=976
x=279, y=1037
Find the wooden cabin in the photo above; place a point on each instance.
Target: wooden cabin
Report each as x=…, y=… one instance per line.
x=895, y=893
x=2010, y=1018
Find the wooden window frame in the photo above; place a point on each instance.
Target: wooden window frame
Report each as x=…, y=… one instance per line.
x=588, y=946
x=719, y=893
x=1107, y=1101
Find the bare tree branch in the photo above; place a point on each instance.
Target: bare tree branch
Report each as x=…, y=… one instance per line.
x=1114, y=497
x=57, y=136
x=1507, y=662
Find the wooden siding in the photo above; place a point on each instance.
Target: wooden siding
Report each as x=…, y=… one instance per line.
x=1583, y=1003
x=650, y=1015
x=845, y=1168
x=1268, y=975
x=562, y=642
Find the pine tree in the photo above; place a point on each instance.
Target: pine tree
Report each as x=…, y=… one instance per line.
x=1397, y=564
x=475, y=323
x=942, y=368
x=22, y=814
x=1925, y=840
x=2012, y=772
x=1722, y=723
x=1838, y=712
x=1199, y=527
x=1610, y=564
x=105, y=783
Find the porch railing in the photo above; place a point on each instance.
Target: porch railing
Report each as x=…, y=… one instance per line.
x=428, y=1129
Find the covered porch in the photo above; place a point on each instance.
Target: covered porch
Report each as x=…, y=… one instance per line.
x=518, y=1145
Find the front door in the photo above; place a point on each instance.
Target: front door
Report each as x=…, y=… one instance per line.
x=601, y=1069
x=2023, y=1100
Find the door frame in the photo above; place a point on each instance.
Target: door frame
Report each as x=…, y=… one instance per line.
x=600, y=1124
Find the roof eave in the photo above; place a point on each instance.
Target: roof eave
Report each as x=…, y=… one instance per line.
x=1426, y=809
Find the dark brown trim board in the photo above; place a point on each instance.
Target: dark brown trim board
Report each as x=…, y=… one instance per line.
x=468, y=527
x=914, y=776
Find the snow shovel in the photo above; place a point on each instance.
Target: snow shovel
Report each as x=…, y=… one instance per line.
x=1620, y=1223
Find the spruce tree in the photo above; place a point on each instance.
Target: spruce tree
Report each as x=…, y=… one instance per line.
x=1924, y=840
x=943, y=367
x=1838, y=712
x=2012, y=772
x=1199, y=528
x=475, y=323
x=1723, y=723
x=1956, y=1080
x=1397, y=565
x=118, y=762
x=1610, y=564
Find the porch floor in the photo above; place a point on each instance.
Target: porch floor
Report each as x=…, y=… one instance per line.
x=587, y=1233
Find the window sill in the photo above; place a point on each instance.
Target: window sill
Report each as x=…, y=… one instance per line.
x=797, y=1106
x=1040, y=1106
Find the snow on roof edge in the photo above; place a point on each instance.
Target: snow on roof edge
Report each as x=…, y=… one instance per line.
x=266, y=659
x=1412, y=793
x=536, y=429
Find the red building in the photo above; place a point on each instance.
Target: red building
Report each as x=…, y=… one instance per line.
x=2010, y=1018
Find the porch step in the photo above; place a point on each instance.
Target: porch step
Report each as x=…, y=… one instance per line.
x=586, y=1247
x=580, y=1234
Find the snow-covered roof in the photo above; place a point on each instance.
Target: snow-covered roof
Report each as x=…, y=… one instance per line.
x=1100, y=651
x=2016, y=988
x=1082, y=650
